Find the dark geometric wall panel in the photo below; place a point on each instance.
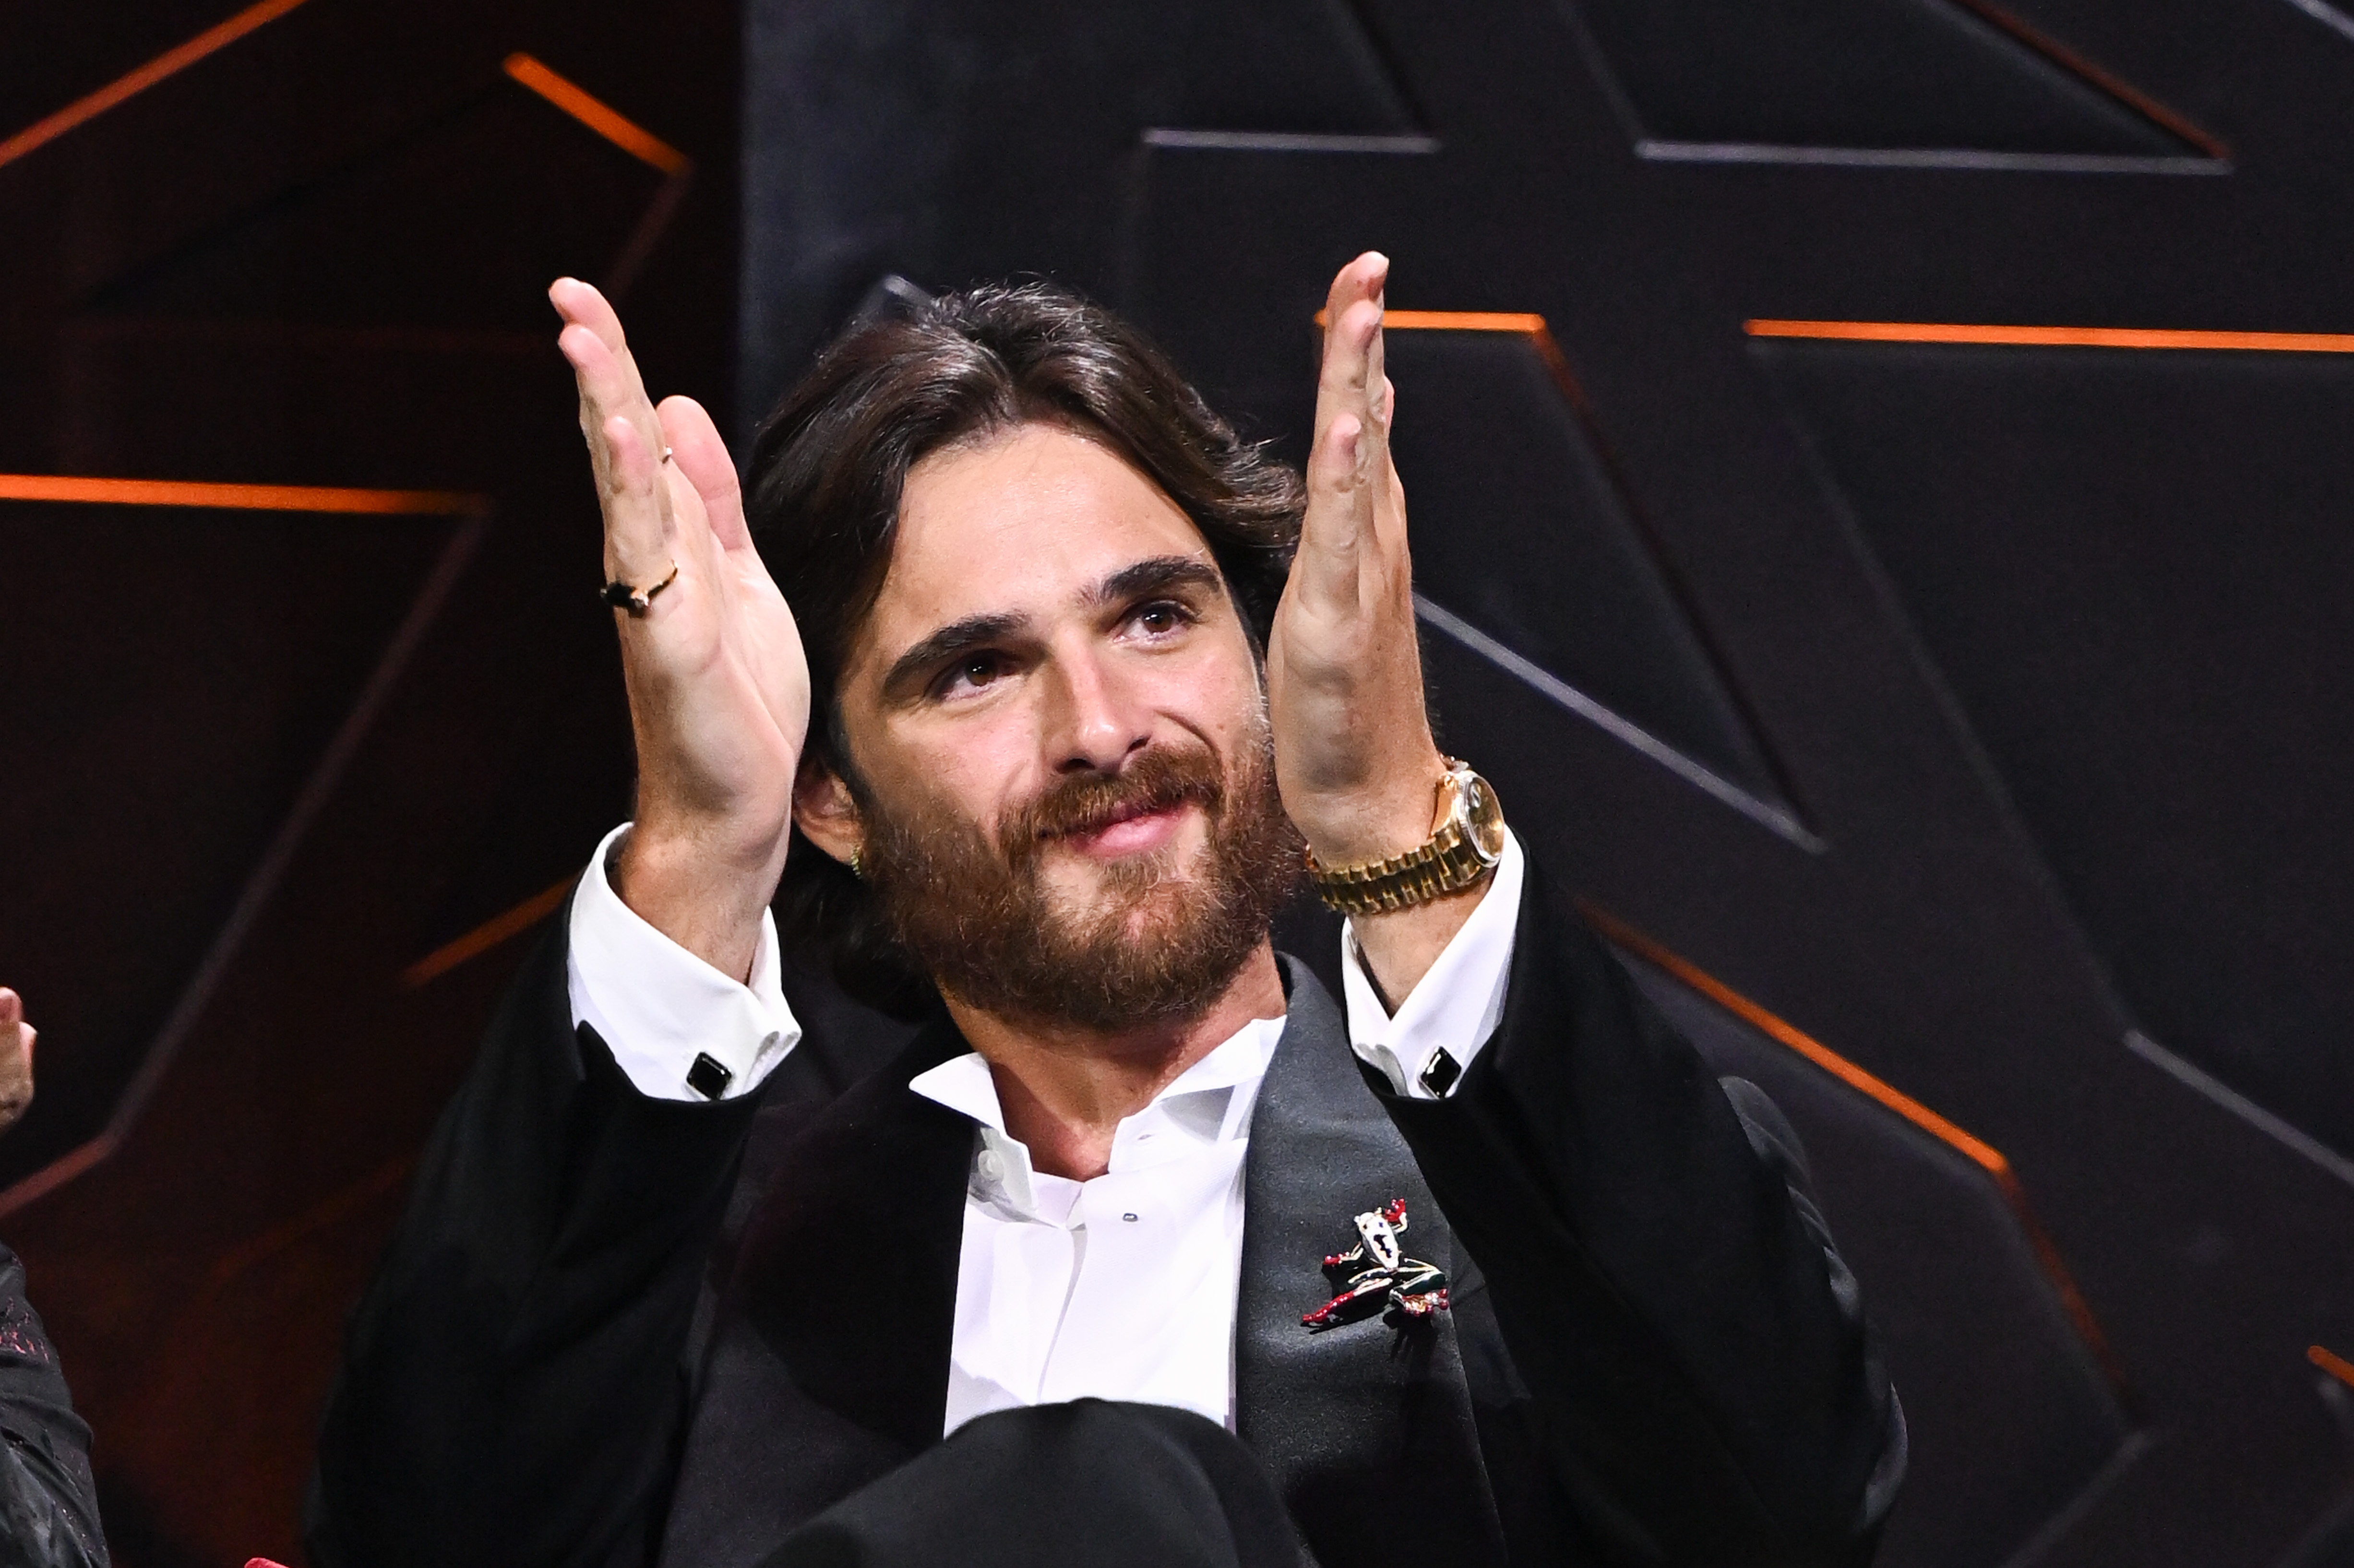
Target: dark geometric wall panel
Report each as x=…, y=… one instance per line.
x=2131, y=565
x=1004, y=158
x=346, y=331
x=1892, y=81
x=366, y=244
x=2009, y=1414
x=176, y=673
x=258, y=761
x=1538, y=546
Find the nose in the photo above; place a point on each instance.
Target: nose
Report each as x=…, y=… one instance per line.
x=1093, y=723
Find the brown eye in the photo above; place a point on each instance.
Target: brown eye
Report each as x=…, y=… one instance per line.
x=970, y=674
x=1160, y=619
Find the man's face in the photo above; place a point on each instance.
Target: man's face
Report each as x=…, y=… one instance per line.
x=1059, y=733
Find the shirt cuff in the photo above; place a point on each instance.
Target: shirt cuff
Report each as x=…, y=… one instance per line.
x=1455, y=1008
x=658, y=1007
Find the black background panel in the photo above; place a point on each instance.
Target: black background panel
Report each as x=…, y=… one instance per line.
x=1012, y=130
x=178, y=673
x=1856, y=74
x=2125, y=562
x=1523, y=529
x=316, y=255
x=367, y=244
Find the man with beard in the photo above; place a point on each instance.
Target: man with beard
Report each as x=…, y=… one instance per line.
x=1144, y=1250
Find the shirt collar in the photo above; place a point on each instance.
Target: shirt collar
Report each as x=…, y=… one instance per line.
x=1210, y=1102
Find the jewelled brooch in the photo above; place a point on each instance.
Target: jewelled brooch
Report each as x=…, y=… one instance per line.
x=1375, y=1276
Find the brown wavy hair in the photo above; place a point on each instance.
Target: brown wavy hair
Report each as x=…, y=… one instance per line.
x=822, y=499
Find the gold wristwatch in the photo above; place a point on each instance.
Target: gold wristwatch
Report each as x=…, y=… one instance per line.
x=1463, y=848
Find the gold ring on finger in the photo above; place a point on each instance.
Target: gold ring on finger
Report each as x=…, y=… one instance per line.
x=635, y=600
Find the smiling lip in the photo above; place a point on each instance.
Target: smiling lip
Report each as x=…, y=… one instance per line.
x=1131, y=834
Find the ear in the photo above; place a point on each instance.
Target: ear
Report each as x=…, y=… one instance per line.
x=824, y=811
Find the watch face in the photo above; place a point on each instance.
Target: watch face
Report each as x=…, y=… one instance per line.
x=1485, y=819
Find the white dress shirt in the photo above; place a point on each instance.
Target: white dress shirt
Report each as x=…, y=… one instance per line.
x=1119, y=1288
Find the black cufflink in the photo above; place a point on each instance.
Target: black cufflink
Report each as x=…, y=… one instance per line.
x=1439, y=1074
x=710, y=1080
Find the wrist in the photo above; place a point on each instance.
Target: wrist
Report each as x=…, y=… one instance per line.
x=1376, y=823
x=721, y=847
x=704, y=890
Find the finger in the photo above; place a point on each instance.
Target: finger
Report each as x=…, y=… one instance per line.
x=1352, y=385
x=1350, y=377
x=1352, y=359
x=581, y=305
x=1362, y=279
x=636, y=499
x=607, y=384
x=1352, y=392
x=25, y=1036
x=601, y=364
x=702, y=457
x=1350, y=334
x=1339, y=518
x=1389, y=493
x=12, y=1006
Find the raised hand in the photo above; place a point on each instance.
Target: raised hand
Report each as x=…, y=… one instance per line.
x=1353, y=749
x=15, y=1058
x=1354, y=754
x=719, y=690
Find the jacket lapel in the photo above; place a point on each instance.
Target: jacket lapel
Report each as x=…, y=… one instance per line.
x=1367, y=1429
x=828, y=1363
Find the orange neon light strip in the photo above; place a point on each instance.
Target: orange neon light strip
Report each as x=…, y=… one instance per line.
x=233, y=497
x=1806, y=1045
x=2055, y=336
x=1457, y=321
x=1526, y=324
x=486, y=935
x=2336, y=1365
x=1988, y=1159
x=608, y=122
x=41, y=132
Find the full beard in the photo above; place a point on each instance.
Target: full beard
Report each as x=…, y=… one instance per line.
x=1161, y=939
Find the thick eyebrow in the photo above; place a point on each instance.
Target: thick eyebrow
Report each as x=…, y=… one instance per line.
x=1161, y=574
x=909, y=668
x=1158, y=575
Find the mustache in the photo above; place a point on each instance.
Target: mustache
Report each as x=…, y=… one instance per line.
x=1081, y=803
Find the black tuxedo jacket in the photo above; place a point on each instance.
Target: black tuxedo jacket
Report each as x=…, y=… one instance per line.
x=578, y=1352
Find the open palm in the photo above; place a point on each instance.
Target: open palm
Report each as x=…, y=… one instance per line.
x=720, y=688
